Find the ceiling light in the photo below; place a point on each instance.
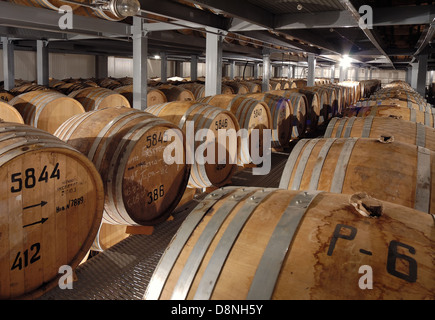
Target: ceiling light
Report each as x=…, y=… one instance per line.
x=345, y=61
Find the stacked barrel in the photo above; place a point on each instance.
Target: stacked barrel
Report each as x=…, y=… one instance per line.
x=105, y=164
x=363, y=166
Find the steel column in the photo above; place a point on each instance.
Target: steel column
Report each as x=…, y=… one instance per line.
x=163, y=67
x=194, y=68
x=140, y=72
x=311, y=70
x=8, y=64
x=213, y=64
x=266, y=71
x=101, y=66
x=332, y=73
x=42, y=61
x=422, y=74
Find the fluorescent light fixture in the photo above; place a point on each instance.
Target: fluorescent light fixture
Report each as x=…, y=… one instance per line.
x=156, y=56
x=345, y=61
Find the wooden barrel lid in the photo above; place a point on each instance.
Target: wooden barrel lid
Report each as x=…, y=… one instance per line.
x=203, y=116
x=127, y=147
x=53, y=204
x=9, y=114
x=281, y=111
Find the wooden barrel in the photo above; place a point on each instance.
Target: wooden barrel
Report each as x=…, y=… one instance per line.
x=403, y=103
x=376, y=127
x=9, y=113
x=154, y=96
x=315, y=114
x=109, y=83
x=250, y=114
x=237, y=87
x=364, y=165
x=97, y=13
x=252, y=86
x=28, y=88
x=326, y=99
x=339, y=98
x=197, y=89
x=226, y=90
x=271, y=244
x=127, y=147
x=281, y=111
x=176, y=93
x=53, y=83
x=6, y=96
x=300, y=110
x=392, y=111
x=46, y=110
x=215, y=172
x=94, y=98
x=69, y=87
x=52, y=207
x=300, y=83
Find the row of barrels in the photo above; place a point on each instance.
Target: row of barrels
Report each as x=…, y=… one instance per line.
x=101, y=166
x=355, y=201
x=100, y=148
x=126, y=149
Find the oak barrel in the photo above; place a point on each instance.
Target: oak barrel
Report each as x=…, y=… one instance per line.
x=250, y=114
x=154, y=96
x=197, y=89
x=194, y=116
x=127, y=147
x=46, y=110
x=6, y=96
x=9, y=113
x=375, y=127
x=176, y=93
x=237, y=87
x=52, y=200
x=94, y=98
x=385, y=169
x=300, y=110
x=282, y=112
x=412, y=115
x=403, y=103
x=270, y=244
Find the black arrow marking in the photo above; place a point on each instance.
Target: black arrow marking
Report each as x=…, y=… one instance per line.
x=369, y=253
x=41, y=222
x=43, y=203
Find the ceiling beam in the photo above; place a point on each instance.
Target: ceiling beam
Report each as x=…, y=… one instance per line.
x=270, y=38
x=181, y=12
x=240, y=9
x=391, y=16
